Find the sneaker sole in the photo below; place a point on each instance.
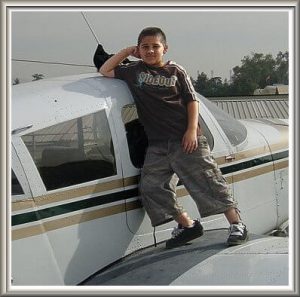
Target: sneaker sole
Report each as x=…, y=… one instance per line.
x=238, y=242
x=183, y=243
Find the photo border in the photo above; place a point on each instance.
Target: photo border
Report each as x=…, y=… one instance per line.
x=6, y=7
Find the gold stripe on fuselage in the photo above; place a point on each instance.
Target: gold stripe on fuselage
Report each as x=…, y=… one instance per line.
x=46, y=226
x=73, y=193
x=259, y=171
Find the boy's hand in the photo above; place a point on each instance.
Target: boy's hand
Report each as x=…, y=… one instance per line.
x=133, y=51
x=190, y=141
x=107, y=69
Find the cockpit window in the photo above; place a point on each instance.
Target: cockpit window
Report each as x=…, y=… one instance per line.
x=234, y=129
x=16, y=188
x=73, y=152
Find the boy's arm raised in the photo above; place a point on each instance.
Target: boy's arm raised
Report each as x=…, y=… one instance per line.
x=107, y=69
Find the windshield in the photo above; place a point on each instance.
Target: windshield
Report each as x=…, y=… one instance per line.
x=234, y=129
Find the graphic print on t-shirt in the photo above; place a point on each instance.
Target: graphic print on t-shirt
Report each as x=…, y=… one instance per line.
x=157, y=80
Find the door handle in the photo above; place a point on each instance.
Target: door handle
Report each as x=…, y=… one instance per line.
x=230, y=157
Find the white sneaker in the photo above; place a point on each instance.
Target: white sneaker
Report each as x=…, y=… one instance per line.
x=238, y=234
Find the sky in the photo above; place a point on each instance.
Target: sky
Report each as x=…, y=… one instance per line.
x=212, y=41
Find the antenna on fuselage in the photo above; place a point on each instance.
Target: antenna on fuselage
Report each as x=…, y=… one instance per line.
x=84, y=17
x=100, y=55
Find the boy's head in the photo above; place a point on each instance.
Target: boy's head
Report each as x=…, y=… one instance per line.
x=152, y=45
x=153, y=31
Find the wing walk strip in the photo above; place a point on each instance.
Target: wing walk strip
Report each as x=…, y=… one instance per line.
x=44, y=226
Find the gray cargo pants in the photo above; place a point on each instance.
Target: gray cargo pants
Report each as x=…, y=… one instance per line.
x=165, y=162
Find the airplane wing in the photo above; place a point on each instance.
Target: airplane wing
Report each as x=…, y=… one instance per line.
x=207, y=261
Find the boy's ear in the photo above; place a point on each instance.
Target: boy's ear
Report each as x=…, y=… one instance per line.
x=165, y=48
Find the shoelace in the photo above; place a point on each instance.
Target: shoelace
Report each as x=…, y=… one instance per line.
x=236, y=229
x=176, y=231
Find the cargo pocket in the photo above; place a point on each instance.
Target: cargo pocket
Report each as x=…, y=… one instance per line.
x=203, y=149
x=217, y=183
x=202, y=142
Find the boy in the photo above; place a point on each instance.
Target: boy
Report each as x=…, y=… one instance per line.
x=168, y=108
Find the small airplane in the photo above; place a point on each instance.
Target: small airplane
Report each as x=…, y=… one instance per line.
x=77, y=148
x=76, y=152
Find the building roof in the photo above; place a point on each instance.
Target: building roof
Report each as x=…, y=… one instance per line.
x=274, y=89
x=252, y=107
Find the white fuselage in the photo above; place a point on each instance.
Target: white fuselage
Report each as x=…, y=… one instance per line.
x=75, y=204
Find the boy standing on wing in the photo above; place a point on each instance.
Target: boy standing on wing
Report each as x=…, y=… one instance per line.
x=168, y=109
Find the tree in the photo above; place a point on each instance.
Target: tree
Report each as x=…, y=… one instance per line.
x=215, y=86
x=256, y=72
x=201, y=84
x=37, y=76
x=212, y=87
x=282, y=68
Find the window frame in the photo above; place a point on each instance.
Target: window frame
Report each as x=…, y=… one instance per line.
x=35, y=180
x=221, y=128
x=17, y=168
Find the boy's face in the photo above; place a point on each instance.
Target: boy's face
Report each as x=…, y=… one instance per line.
x=151, y=50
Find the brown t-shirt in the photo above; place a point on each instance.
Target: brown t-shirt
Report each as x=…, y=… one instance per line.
x=161, y=95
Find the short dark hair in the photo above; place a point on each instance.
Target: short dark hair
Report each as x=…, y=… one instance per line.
x=152, y=31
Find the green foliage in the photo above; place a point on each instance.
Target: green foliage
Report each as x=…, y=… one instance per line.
x=256, y=71
x=282, y=68
x=213, y=87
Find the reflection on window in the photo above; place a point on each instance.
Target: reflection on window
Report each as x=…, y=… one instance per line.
x=16, y=188
x=234, y=130
x=73, y=152
x=136, y=136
